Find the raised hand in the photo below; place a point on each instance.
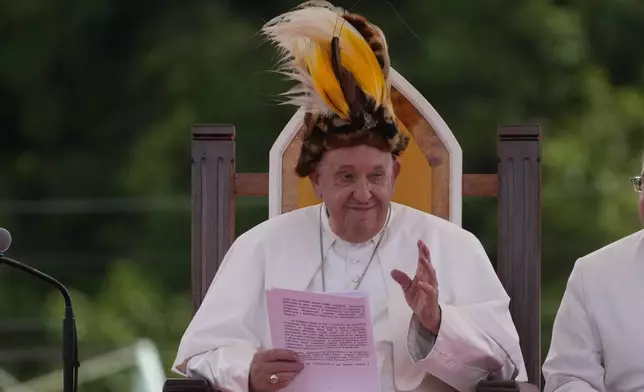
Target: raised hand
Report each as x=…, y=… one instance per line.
x=272, y=370
x=421, y=292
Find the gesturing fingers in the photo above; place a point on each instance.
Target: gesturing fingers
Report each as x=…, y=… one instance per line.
x=425, y=275
x=427, y=271
x=428, y=289
x=403, y=280
x=419, y=266
x=424, y=250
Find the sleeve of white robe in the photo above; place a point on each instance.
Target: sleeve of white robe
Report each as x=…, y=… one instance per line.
x=477, y=337
x=574, y=360
x=222, y=338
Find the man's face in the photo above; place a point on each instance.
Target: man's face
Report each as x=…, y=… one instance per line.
x=356, y=184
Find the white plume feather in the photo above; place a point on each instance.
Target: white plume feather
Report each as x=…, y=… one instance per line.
x=293, y=34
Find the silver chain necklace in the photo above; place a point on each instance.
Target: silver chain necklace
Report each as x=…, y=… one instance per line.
x=322, y=258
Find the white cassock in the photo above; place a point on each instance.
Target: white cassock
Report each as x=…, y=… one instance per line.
x=598, y=335
x=477, y=337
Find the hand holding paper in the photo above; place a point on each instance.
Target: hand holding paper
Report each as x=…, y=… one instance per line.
x=272, y=370
x=421, y=292
x=332, y=335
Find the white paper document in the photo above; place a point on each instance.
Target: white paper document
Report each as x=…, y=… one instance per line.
x=333, y=336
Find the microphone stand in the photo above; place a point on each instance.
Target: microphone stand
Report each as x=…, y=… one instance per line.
x=70, y=340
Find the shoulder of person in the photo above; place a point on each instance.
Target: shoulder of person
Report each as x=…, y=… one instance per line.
x=612, y=258
x=428, y=225
x=283, y=227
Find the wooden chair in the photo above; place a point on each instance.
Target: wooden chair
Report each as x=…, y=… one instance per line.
x=431, y=180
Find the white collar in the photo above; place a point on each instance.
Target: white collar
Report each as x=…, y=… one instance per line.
x=329, y=237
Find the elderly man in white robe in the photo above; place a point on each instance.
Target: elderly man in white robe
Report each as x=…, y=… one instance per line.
x=597, y=338
x=440, y=314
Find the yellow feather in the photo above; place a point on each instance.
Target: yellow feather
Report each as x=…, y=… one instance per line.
x=306, y=35
x=358, y=58
x=325, y=81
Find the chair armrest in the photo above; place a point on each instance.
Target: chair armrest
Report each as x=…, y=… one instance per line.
x=505, y=386
x=187, y=385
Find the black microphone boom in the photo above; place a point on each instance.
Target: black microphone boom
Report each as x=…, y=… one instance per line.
x=70, y=340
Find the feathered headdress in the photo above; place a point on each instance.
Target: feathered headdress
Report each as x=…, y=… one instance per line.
x=341, y=64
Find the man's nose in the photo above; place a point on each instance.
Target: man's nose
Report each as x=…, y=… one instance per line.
x=362, y=192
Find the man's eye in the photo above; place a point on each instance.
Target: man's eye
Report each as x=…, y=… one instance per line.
x=345, y=178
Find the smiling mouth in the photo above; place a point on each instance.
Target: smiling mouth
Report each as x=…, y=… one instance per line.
x=362, y=208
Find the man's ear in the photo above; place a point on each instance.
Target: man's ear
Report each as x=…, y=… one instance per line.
x=314, y=176
x=396, y=168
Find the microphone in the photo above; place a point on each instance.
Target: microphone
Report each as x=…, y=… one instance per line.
x=5, y=240
x=70, y=340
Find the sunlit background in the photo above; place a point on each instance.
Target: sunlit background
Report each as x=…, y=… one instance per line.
x=97, y=98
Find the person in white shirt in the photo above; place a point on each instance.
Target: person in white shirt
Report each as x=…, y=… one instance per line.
x=597, y=338
x=427, y=339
